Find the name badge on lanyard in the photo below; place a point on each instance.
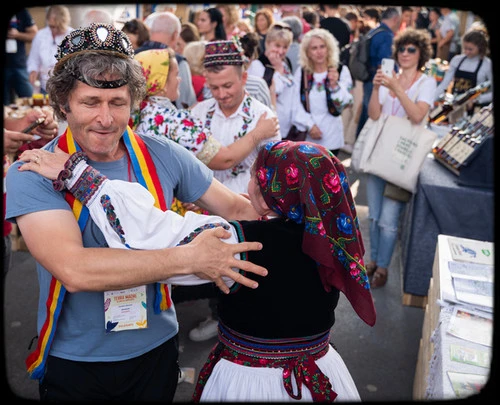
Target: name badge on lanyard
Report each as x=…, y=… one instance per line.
x=125, y=309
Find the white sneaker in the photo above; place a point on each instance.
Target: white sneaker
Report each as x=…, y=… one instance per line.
x=181, y=377
x=204, y=331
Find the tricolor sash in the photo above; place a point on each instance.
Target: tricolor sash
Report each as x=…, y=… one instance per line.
x=146, y=175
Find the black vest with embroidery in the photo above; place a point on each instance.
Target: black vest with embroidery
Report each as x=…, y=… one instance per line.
x=304, y=91
x=291, y=300
x=269, y=69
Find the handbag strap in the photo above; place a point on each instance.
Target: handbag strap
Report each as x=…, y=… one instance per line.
x=304, y=91
x=414, y=98
x=419, y=85
x=304, y=81
x=383, y=117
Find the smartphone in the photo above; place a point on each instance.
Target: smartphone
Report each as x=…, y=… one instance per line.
x=387, y=66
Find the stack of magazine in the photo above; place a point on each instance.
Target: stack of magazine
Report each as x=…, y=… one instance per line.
x=466, y=321
x=472, y=269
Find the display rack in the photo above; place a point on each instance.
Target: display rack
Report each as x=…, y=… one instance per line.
x=466, y=142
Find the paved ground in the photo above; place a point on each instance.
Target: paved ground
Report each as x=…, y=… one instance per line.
x=381, y=359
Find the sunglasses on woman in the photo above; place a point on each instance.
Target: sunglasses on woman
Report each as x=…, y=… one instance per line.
x=410, y=49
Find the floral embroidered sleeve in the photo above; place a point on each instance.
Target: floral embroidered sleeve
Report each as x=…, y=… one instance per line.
x=210, y=148
x=341, y=95
x=284, y=80
x=181, y=126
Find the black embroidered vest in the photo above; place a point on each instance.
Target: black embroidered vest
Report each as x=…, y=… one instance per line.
x=291, y=300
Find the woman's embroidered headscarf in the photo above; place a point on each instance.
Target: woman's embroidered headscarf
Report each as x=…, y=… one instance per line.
x=155, y=65
x=306, y=183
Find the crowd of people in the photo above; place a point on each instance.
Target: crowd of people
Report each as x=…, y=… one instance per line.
x=198, y=113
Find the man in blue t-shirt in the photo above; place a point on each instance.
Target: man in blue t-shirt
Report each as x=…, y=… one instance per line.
x=22, y=30
x=380, y=47
x=107, y=329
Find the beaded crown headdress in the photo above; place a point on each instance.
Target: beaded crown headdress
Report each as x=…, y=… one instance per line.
x=227, y=52
x=97, y=37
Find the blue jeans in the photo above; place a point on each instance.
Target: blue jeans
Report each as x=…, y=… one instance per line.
x=383, y=214
x=16, y=81
x=367, y=93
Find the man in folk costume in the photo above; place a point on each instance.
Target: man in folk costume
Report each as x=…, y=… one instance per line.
x=229, y=115
x=232, y=112
x=106, y=327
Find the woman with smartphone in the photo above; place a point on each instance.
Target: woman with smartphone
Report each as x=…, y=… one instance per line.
x=408, y=93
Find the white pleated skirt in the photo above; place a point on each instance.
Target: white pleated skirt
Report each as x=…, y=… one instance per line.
x=231, y=382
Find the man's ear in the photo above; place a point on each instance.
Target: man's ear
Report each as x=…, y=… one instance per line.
x=244, y=77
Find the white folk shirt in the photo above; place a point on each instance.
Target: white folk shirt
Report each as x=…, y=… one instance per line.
x=332, y=128
x=228, y=130
x=42, y=58
x=162, y=228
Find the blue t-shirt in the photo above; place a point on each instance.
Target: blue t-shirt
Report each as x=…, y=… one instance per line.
x=80, y=333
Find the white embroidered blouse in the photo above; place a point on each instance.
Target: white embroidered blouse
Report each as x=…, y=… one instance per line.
x=228, y=129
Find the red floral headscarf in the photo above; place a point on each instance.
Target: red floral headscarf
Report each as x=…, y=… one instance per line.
x=306, y=183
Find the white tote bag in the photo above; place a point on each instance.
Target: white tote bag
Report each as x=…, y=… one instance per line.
x=365, y=142
x=399, y=152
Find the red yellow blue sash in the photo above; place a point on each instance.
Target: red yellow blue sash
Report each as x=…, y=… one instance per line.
x=146, y=175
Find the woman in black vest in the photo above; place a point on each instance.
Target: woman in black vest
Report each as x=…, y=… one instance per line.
x=276, y=69
x=322, y=90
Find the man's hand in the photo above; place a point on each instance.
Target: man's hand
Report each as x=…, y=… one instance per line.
x=266, y=128
x=212, y=258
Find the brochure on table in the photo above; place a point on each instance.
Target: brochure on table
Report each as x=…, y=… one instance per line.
x=466, y=272
x=460, y=364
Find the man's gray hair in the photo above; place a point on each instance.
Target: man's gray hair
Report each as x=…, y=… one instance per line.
x=163, y=21
x=93, y=66
x=296, y=26
x=390, y=12
x=96, y=16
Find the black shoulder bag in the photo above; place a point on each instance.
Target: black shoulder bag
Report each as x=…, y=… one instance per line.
x=294, y=134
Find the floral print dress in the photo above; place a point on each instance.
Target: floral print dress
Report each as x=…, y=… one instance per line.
x=158, y=116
